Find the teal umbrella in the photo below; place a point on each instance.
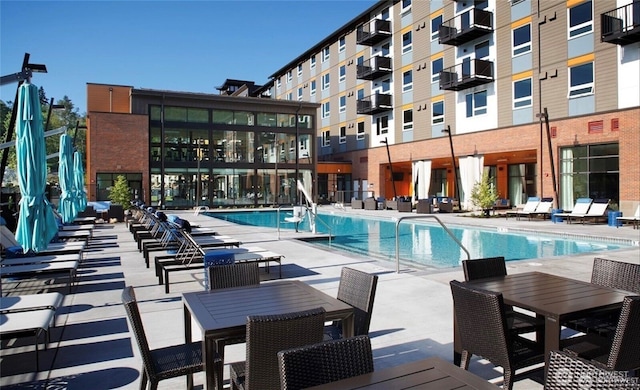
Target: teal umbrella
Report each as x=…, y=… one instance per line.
x=78, y=180
x=66, y=206
x=36, y=223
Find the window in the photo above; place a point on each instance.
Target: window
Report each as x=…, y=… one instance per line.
x=522, y=93
x=289, y=75
x=325, y=54
x=407, y=119
x=407, y=81
x=359, y=61
x=343, y=73
x=326, y=138
x=482, y=50
x=360, y=134
x=342, y=44
x=343, y=135
x=382, y=125
x=326, y=109
x=580, y=19
x=279, y=83
x=325, y=81
x=299, y=70
x=385, y=50
x=522, y=40
x=436, y=68
x=435, y=27
x=313, y=61
x=437, y=112
x=360, y=94
x=300, y=93
x=407, y=42
x=289, y=95
x=476, y=103
x=313, y=88
x=386, y=85
x=406, y=6
x=581, y=80
x=343, y=104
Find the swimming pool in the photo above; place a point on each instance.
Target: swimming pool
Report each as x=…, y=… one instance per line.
x=424, y=243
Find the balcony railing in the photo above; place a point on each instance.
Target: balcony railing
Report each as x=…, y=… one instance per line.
x=374, y=67
x=373, y=32
x=466, y=27
x=466, y=75
x=374, y=104
x=622, y=25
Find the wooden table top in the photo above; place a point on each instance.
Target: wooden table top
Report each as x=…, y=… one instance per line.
x=432, y=373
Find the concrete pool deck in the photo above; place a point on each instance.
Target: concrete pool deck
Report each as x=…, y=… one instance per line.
x=92, y=347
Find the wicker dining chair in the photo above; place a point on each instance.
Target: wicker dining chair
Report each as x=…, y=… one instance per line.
x=266, y=336
x=233, y=275
x=621, y=354
x=518, y=322
x=568, y=372
x=357, y=289
x=167, y=362
x=482, y=325
x=325, y=362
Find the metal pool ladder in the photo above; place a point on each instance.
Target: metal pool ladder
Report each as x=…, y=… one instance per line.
x=399, y=220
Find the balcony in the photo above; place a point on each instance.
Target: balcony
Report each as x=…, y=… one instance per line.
x=373, y=32
x=622, y=25
x=374, y=104
x=374, y=67
x=466, y=75
x=466, y=27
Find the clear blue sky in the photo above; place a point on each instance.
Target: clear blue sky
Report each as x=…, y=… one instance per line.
x=188, y=46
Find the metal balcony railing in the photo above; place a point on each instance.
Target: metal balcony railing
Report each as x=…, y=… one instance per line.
x=466, y=27
x=373, y=32
x=374, y=68
x=621, y=26
x=374, y=104
x=466, y=75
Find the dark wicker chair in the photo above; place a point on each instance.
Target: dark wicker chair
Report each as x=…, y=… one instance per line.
x=621, y=354
x=167, y=362
x=357, y=289
x=482, y=327
x=325, y=362
x=495, y=266
x=567, y=372
x=266, y=336
x=233, y=275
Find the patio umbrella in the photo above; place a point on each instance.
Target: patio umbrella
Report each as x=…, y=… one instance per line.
x=66, y=207
x=78, y=180
x=36, y=223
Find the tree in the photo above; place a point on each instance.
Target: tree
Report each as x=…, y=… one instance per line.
x=483, y=194
x=120, y=192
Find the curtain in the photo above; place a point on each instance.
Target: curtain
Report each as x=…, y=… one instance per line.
x=470, y=174
x=566, y=182
x=416, y=167
x=425, y=179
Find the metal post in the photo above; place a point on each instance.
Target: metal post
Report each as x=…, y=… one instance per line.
x=456, y=190
x=297, y=156
x=199, y=157
x=545, y=116
x=393, y=183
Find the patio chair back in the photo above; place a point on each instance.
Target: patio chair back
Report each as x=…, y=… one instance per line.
x=266, y=336
x=598, y=208
x=233, y=275
x=358, y=289
x=532, y=203
x=325, y=362
x=616, y=274
x=133, y=313
x=582, y=206
x=544, y=206
x=567, y=372
x=624, y=355
x=484, y=268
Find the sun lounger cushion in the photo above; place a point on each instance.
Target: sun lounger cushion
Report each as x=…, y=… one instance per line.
x=31, y=302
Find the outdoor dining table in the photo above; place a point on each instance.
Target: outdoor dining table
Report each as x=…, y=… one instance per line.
x=432, y=373
x=222, y=314
x=555, y=298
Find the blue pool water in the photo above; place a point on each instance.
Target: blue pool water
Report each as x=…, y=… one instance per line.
x=425, y=243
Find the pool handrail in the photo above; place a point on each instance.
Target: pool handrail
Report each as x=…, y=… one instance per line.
x=315, y=215
x=417, y=217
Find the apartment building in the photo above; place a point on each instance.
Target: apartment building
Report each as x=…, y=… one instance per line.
x=419, y=98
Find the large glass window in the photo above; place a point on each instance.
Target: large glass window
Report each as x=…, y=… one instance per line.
x=581, y=80
x=407, y=42
x=522, y=40
x=407, y=119
x=580, y=19
x=476, y=103
x=435, y=27
x=522, y=93
x=407, y=81
x=437, y=112
x=382, y=125
x=436, y=67
x=522, y=182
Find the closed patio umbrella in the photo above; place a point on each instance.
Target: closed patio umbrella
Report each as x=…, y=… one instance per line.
x=36, y=223
x=67, y=205
x=78, y=180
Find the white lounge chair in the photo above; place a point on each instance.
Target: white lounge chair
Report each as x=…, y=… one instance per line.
x=37, y=269
x=27, y=323
x=581, y=207
x=597, y=210
x=635, y=219
x=542, y=209
x=529, y=207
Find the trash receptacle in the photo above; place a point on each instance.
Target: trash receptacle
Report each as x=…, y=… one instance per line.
x=213, y=258
x=612, y=218
x=556, y=218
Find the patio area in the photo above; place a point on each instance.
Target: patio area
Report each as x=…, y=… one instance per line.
x=91, y=345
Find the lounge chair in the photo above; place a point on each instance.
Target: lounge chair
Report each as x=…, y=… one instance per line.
x=635, y=219
x=27, y=323
x=36, y=269
x=542, y=209
x=597, y=210
x=581, y=207
x=529, y=207
x=14, y=249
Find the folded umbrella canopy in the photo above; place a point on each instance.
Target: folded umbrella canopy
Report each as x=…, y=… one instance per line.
x=78, y=180
x=36, y=223
x=67, y=205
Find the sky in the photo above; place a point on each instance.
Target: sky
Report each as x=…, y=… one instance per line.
x=190, y=46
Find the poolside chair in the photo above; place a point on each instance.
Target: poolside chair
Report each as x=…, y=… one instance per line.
x=597, y=211
x=325, y=362
x=635, y=219
x=579, y=208
x=529, y=207
x=266, y=336
x=542, y=209
x=167, y=362
x=233, y=275
x=358, y=289
x=482, y=326
x=568, y=372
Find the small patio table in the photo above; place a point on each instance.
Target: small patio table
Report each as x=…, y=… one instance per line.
x=555, y=298
x=432, y=373
x=222, y=314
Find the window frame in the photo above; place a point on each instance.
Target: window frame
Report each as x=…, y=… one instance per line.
x=437, y=119
x=326, y=138
x=405, y=6
x=289, y=75
x=575, y=91
x=300, y=93
x=407, y=125
x=473, y=99
x=326, y=110
x=523, y=48
x=380, y=121
x=342, y=73
x=407, y=86
x=519, y=100
x=342, y=137
x=342, y=44
x=342, y=105
x=407, y=47
x=326, y=81
x=435, y=35
x=360, y=131
x=435, y=77
x=312, y=61
x=299, y=70
x=579, y=29
x=313, y=88
x=326, y=54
